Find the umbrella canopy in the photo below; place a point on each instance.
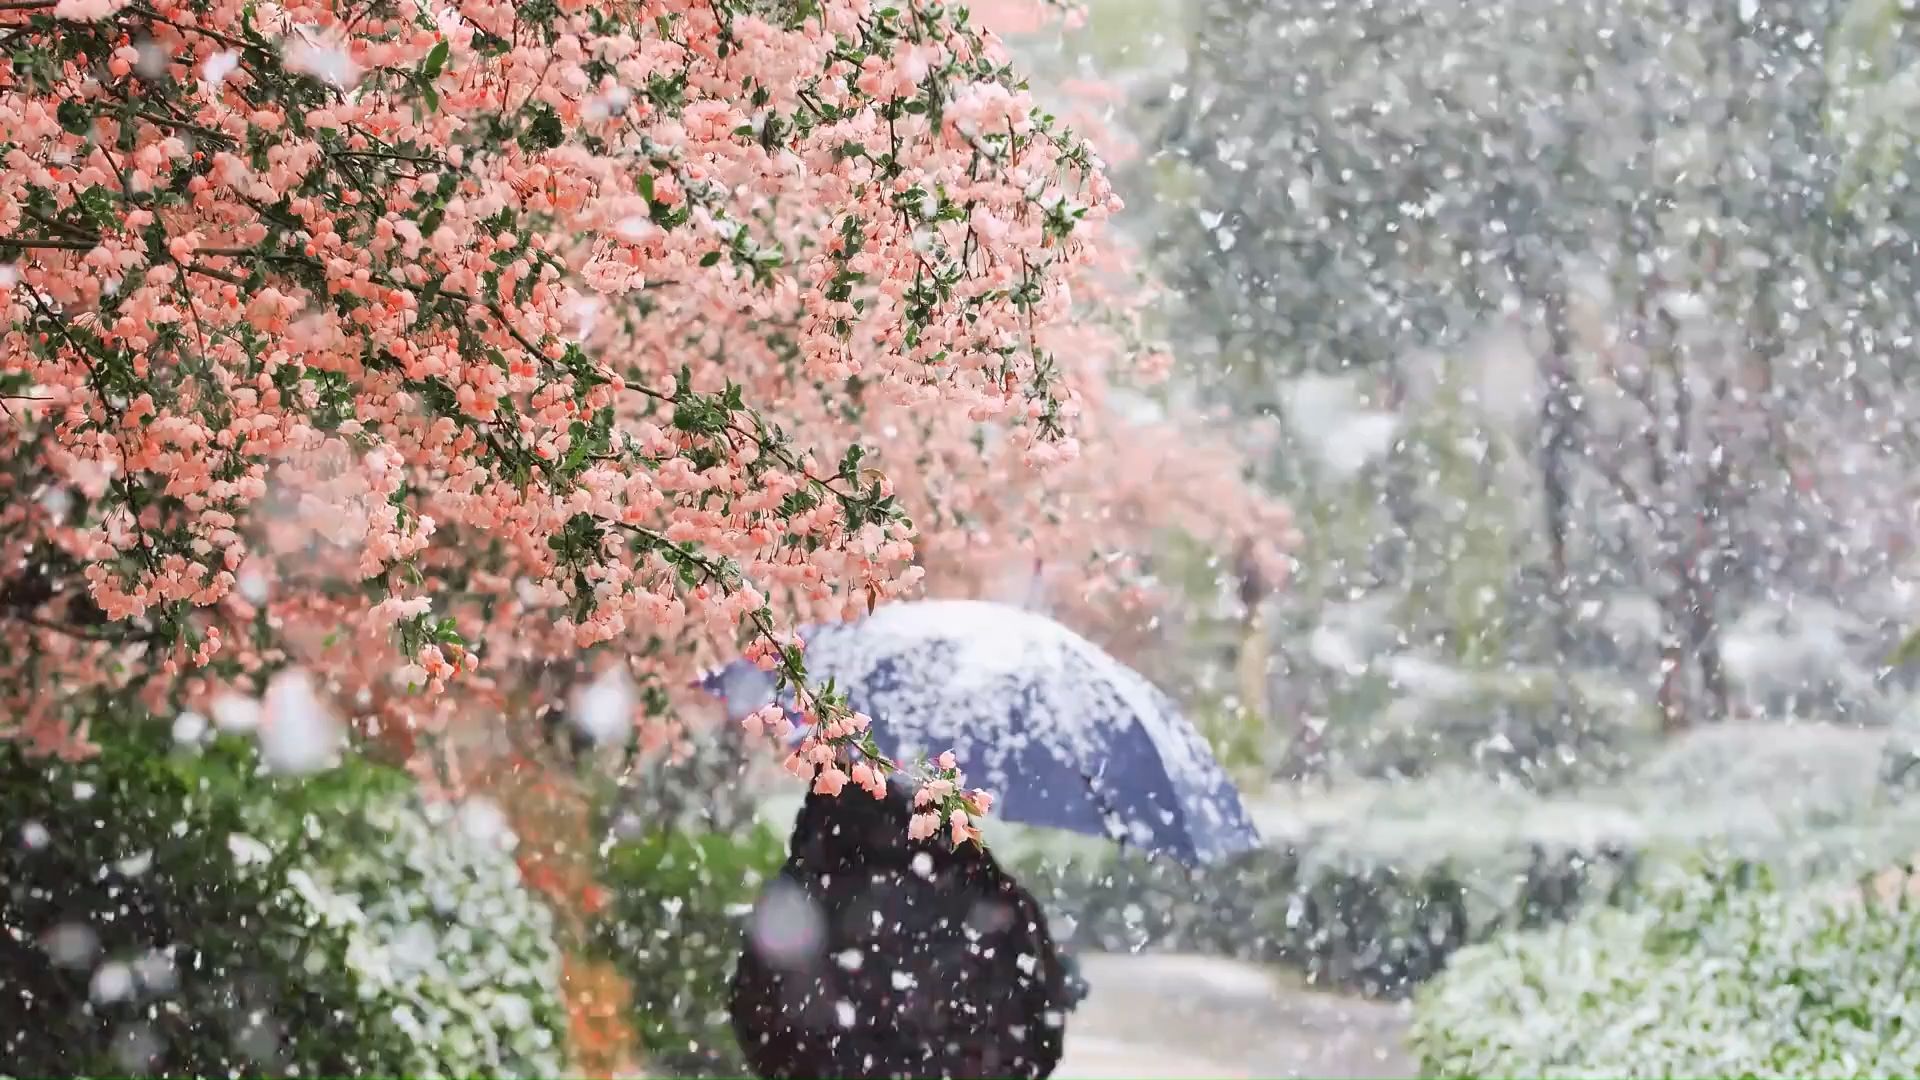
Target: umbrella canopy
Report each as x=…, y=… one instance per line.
x=1064, y=735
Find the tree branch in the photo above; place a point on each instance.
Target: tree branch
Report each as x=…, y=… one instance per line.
x=49, y=243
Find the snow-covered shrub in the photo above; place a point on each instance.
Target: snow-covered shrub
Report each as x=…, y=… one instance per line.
x=673, y=927
x=1723, y=977
x=1120, y=902
x=1899, y=770
x=1371, y=885
x=1804, y=799
x=134, y=931
x=1390, y=878
x=1368, y=886
x=1532, y=725
x=1766, y=779
x=440, y=935
x=171, y=911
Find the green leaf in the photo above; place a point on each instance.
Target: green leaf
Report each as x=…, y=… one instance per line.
x=75, y=118
x=545, y=132
x=436, y=60
x=710, y=258
x=98, y=204
x=576, y=449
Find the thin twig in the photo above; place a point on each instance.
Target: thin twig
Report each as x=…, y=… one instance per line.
x=48, y=243
x=225, y=39
x=1626, y=489
x=184, y=125
x=86, y=633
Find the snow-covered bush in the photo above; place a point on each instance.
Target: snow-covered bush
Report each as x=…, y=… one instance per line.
x=1121, y=902
x=673, y=926
x=1770, y=778
x=133, y=933
x=170, y=911
x=440, y=936
x=1722, y=977
x=1369, y=886
x=1534, y=725
x=1804, y=799
x=1372, y=885
x=1390, y=878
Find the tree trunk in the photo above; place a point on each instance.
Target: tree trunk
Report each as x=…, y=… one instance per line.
x=1673, y=694
x=1556, y=445
x=1706, y=565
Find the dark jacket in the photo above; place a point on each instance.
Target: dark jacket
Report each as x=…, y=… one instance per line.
x=875, y=956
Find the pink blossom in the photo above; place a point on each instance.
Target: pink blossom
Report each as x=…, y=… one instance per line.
x=868, y=778
x=768, y=720
x=922, y=826
x=962, y=827
x=830, y=780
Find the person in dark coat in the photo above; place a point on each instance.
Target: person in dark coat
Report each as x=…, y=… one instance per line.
x=872, y=955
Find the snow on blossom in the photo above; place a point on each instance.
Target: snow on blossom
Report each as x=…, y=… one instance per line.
x=219, y=66
x=330, y=63
x=87, y=10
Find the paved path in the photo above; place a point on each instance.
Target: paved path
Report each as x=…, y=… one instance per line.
x=1192, y=1017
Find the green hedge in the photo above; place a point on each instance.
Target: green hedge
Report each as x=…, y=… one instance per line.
x=1726, y=975
x=1761, y=781
x=1533, y=726
x=169, y=911
x=674, y=927
x=1366, y=888
x=1371, y=885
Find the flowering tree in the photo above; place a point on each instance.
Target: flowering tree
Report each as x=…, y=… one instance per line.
x=416, y=346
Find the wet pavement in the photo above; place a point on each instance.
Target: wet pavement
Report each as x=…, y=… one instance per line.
x=1191, y=1017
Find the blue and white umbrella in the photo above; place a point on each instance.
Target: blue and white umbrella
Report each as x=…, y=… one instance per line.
x=1064, y=735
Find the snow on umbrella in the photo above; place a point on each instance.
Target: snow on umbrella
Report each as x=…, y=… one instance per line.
x=1065, y=735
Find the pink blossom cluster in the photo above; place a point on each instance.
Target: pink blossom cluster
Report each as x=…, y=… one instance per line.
x=839, y=751
x=836, y=752
x=942, y=804
x=442, y=328
x=421, y=348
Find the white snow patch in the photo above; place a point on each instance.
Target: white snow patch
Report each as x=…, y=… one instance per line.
x=298, y=733
x=603, y=711
x=236, y=714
